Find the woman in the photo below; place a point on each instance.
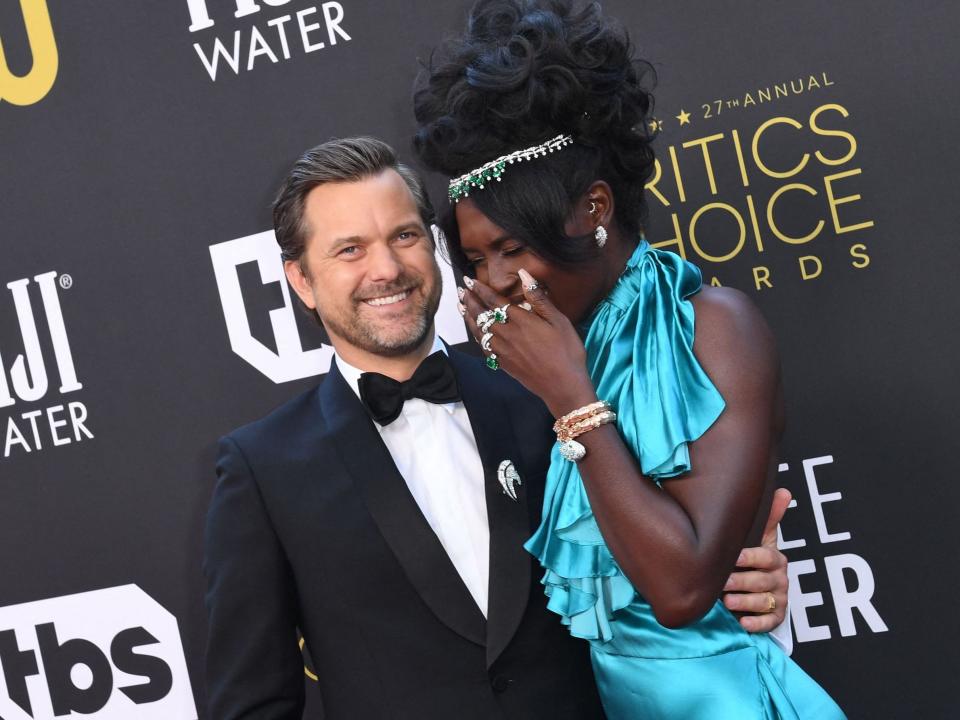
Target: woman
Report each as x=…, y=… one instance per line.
x=667, y=438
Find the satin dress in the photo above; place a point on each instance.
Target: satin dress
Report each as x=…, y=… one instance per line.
x=639, y=344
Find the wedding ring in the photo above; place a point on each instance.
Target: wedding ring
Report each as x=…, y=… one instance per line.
x=771, y=602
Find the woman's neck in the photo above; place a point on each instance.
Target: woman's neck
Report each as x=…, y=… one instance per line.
x=621, y=249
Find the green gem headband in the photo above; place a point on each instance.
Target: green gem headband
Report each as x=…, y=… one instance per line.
x=460, y=187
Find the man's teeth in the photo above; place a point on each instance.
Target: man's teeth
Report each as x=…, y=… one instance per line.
x=389, y=300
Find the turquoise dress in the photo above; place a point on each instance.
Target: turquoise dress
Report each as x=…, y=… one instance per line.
x=640, y=357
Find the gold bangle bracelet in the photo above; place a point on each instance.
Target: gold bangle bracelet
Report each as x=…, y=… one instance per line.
x=579, y=415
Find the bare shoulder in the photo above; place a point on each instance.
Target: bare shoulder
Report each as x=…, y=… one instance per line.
x=733, y=341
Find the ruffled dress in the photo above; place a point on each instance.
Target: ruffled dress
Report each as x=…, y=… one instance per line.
x=640, y=357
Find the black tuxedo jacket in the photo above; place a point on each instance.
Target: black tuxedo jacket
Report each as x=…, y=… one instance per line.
x=312, y=527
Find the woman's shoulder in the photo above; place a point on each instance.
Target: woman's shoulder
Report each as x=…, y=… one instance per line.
x=732, y=338
x=727, y=313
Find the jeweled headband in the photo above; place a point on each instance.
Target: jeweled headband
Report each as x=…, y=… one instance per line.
x=460, y=187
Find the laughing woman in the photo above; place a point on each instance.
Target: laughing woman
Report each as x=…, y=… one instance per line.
x=667, y=394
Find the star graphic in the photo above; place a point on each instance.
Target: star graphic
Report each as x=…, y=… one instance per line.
x=683, y=117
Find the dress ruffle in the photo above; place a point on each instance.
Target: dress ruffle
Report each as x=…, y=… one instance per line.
x=640, y=357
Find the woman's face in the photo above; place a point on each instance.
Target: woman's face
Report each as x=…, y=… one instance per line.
x=496, y=259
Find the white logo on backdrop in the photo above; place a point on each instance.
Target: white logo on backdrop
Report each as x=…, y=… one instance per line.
x=110, y=654
x=290, y=361
x=29, y=379
x=849, y=577
x=305, y=31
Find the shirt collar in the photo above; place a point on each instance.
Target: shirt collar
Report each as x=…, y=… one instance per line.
x=352, y=374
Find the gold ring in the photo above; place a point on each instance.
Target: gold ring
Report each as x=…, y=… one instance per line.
x=771, y=602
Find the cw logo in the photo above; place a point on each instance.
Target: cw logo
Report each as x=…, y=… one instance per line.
x=34, y=86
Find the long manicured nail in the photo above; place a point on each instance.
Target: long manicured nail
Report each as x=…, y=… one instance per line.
x=461, y=309
x=460, y=293
x=525, y=306
x=468, y=281
x=527, y=279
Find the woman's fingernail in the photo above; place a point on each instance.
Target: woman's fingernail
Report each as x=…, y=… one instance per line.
x=468, y=281
x=461, y=309
x=461, y=293
x=525, y=306
x=527, y=279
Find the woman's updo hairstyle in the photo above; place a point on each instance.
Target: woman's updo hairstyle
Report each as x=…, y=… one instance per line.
x=523, y=72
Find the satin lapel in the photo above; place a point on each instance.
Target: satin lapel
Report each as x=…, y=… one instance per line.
x=396, y=513
x=510, y=565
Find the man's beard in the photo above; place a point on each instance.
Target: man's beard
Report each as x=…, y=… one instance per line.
x=369, y=337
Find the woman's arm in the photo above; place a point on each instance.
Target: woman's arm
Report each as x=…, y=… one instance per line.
x=676, y=545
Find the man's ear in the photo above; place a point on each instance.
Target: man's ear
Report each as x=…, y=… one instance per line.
x=299, y=282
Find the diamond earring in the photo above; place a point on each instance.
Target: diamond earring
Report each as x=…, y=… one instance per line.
x=601, y=235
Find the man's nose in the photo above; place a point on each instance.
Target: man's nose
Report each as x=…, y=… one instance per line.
x=383, y=264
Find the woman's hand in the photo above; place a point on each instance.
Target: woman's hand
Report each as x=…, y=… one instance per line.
x=539, y=347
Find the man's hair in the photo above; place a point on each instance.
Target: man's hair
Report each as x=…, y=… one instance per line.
x=337, y=160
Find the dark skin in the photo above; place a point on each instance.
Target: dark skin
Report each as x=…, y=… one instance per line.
x=676, y=545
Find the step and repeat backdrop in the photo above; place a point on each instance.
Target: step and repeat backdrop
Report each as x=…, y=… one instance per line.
x=807, y=153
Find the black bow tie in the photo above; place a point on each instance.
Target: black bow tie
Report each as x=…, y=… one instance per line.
x=434, y=381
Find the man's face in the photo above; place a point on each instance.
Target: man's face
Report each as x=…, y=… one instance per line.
x=370, y=268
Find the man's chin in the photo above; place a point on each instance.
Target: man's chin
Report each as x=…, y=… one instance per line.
x=396, y=348
x=395, y=344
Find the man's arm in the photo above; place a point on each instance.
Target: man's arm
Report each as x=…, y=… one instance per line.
x=254, y=668
x=763, y=574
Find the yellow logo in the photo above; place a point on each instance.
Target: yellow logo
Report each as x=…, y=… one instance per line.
x=34, y=86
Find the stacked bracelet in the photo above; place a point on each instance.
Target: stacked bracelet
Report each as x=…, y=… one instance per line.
x=576, y=423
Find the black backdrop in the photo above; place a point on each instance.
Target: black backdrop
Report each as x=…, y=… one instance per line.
x=134, y=199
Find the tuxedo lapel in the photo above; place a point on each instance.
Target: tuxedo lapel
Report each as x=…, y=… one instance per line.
x=509, y=521
x=395, y=511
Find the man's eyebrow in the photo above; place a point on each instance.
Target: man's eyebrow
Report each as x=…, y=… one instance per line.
x=412, y=224
x=340, y=242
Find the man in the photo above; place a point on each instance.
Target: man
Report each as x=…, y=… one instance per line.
x=379, y=527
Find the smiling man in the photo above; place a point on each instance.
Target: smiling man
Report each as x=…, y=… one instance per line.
x=379, y=285
x=368, y=513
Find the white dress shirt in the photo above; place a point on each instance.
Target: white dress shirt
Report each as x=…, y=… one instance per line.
x=435, y=451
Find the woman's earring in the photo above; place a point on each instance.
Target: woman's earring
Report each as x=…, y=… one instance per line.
x=593, y=207
x=601, y=235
